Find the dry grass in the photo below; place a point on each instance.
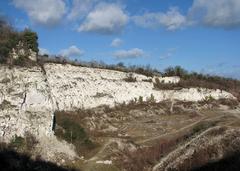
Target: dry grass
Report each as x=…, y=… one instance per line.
x=146, y=157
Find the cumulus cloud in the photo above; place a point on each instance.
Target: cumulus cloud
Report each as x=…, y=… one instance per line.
x=171, y=20
x=216, y=13
x=116, y=42
x=132, y=53
x=45, y=12
x=80, y=8
x=72, y=51
x=105, y=19
x=43, y=51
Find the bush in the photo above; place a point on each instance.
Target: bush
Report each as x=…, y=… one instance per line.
x=23, y=144
x=9, y=39
x=30, y=39
x=130, y=78
x=176, y=71
x=140, y=99
x=69, y=129
x=17, y=142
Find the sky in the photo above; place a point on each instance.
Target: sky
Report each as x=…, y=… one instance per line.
x=199, y=35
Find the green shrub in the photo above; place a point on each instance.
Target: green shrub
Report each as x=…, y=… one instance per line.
x=130, y=78
x=209, y=98
x=69, y=129
x=17, y=142
x=30, y=39
x=140, y=99
x=24, y=144
x=10, y=38
x=152, y=99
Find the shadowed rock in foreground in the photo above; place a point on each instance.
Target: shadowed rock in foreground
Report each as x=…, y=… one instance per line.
x=13, y=161
x=228, y=164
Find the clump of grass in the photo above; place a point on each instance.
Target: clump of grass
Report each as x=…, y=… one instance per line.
x=5, y=104
x=147, y=80
x=17, y=142
x=23, y=144
x=203, y=126
x=130, y=78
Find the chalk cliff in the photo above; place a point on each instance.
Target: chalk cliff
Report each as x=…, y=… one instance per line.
x=29, y=96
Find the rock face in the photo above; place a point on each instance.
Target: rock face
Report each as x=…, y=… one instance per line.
x=25, y=102
x=167, y=80
x=19, y=51
x=29, y=96
x=212, y=145
x=76, y=87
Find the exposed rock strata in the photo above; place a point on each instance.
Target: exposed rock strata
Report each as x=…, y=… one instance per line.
x=29, y=97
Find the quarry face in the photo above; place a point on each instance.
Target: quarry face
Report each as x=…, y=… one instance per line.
x=120, y=116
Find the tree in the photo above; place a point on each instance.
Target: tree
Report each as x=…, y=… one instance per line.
x=121, y=64
x=176, y=71
x=8, y=39
x=30, y=39
x=179, y=71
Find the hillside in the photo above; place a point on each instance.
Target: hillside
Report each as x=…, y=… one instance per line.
x=103, y=115
x=92, y=94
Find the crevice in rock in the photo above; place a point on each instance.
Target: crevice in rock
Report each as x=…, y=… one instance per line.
x=53, y=122
x=24, y=98
x=51, y=98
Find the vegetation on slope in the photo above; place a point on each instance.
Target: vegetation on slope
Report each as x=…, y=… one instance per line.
x=10, y=38
x=68, y=128
x=194, y=79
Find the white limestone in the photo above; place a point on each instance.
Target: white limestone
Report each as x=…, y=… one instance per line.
x=25, y=102
x=75, y=87
x=167, y=80
x=21, y=51
x=107, y=162
x=28, y=98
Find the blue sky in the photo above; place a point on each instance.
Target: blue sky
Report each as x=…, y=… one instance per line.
x=199, y=35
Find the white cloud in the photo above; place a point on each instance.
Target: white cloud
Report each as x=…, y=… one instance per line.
x=45, y=12
x=43, y=51
x=105, y=19
x=216, y=13
x=171, y=20
x=80, y=8
x=132, y=53
x=116, y=42
x=72, y=51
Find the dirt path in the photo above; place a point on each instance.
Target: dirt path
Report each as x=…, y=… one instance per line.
x=174, y=132
x=235, y=113
x=213, y=117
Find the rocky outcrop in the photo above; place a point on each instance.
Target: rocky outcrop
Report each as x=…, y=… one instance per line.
x=80, y=87
x=167, y=80
x=25, y=102
x=212, y=145
x=29, y=96
x=20, y=50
